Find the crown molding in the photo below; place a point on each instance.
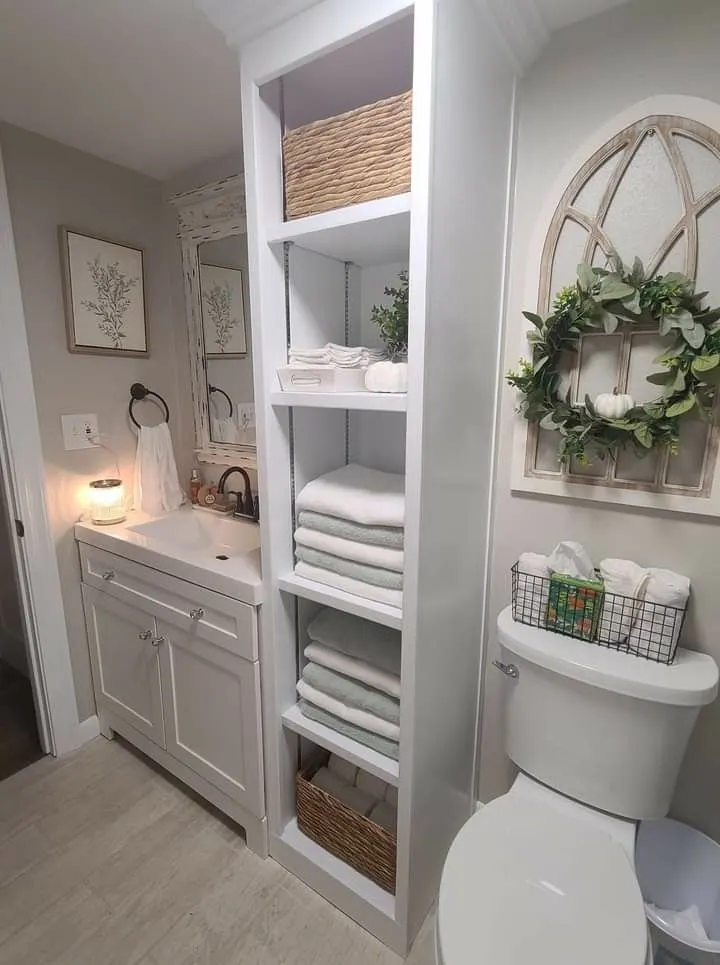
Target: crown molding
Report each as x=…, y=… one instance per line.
x=241, y=23
x=519, y=28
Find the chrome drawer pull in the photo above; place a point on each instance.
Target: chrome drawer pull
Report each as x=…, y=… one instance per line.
x=144, y=634
x=197, y=613
x=509, y=669
x=157, y=641
x=108, y=575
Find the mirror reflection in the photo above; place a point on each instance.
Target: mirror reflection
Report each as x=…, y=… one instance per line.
x=227, y=348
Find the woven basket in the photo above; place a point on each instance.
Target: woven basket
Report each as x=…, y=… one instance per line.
x=355, y=839
x=354, y=157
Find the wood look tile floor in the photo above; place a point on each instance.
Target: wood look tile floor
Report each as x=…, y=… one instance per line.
x=106, y=861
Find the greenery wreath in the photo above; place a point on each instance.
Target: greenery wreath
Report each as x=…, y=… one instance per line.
x=602, y=299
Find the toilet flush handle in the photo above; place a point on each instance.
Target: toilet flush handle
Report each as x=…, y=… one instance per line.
x=509, y=669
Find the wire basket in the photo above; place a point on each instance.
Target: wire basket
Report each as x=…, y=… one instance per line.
x=588, y=613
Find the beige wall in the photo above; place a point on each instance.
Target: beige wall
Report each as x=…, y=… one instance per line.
x=49, y=185
x=588, y=74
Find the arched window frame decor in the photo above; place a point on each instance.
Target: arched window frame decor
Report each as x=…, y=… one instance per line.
x=651, y=486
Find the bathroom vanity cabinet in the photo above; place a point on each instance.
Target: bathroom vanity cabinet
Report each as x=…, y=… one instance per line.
x=176, y=673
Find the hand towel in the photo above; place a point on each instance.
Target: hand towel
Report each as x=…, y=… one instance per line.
x=356, y=571
x=351, y=693
x=359, y=494
x=382, y=745
x=345, y=583
x=347, y=549
x=391, y=795
x=657, y=629
x=344, y=769
x=627, y=579
x=353, y=797
x=356, y=669
x=391, y=536
x=157, y=488
x=329, y=781
x=344, y=632
x=224, y=430
x=570, y=559
x=371, y=784
x=385, y=815
x=533, y=589
x=352, y=715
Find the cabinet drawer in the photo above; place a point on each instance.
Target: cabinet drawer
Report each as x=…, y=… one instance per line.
x=203, y=613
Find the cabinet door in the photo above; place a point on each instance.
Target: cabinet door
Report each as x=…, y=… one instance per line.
x=126, y=668
x=211, y=699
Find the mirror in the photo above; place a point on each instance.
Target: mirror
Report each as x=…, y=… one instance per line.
x=227, y=340
x=213, y=240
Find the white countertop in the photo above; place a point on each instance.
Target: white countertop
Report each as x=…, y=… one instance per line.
x=176, y=549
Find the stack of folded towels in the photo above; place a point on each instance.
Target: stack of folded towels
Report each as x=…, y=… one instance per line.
x=361, y=792
x=351, y=681
x=340, y=356
x=351, y=532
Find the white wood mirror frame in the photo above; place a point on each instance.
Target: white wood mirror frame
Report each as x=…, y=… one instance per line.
x=209, y=213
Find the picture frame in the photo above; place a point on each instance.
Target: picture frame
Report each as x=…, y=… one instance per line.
x=222, y=298
x=104, y=295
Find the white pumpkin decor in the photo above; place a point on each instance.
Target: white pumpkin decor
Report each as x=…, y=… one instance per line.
x=612, y=405
x=387, y=377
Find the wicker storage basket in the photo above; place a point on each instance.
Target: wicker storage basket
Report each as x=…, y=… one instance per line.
x=348, y=835
x=354, y=157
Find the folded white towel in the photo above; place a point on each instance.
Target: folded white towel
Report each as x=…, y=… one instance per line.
x=533, y=589
x=359, y=494
x=157, y=488
x=570, y=559
x=385, y=815
x=344, y=769
x=360, y=718
x=655, y=626
x=224, y=430
x=329, y=781
x=361, y=670
x=340, y=356
x=365, y=590
x=627, y=579
x=373, y=785
x=383, y=556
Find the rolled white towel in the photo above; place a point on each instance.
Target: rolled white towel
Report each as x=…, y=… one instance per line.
x=625, y=579
x=570, y=559
x=391, y=795
x=371, y=784
x=329, y=781
x=344, y=769
x=533, y=589
x=385, y=815
x=656, y=630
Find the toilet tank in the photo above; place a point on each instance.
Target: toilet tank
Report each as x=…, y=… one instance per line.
x=605, y=728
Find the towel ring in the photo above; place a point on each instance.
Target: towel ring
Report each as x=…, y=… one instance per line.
x=214, y=388
x=138, y=392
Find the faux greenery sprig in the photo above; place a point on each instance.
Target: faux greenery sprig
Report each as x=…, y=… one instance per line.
x=602, y=299
x=392, y=321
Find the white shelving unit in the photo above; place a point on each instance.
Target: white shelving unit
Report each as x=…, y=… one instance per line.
x=312, y=281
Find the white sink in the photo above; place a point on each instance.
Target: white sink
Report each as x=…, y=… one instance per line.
x=217, y=535
x=197, y=545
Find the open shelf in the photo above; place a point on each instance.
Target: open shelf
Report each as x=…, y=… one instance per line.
x=389, y=616
x=369, y=760
x=371, y=233
x=359, y=401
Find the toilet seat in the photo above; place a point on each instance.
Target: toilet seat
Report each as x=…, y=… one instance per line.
x=525, y=881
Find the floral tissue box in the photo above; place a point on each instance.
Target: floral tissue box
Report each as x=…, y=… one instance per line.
x=574, y=606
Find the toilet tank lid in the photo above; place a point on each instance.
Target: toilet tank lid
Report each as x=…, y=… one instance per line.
x=690, y=681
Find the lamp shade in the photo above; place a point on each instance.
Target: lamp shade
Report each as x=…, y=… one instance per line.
x=107, y=501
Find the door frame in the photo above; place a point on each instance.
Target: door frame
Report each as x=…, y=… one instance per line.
x=23, y=472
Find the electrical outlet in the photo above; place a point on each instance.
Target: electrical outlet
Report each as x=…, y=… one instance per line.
x=79, y=431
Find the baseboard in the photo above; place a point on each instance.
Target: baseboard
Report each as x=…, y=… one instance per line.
x=87, y=730
x=479, y=805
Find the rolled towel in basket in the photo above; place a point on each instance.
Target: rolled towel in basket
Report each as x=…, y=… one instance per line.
x=533, y=587
x=623, y=579
x=656, y=631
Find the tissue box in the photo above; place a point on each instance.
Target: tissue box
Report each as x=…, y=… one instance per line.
x=574, y=606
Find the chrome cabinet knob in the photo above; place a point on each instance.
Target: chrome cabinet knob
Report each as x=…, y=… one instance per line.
x=144, y=634
x=157, y=641
x=509, y=669
x=108, y=575
x=197, y=613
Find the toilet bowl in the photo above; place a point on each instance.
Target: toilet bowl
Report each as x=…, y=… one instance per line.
x=545, y=875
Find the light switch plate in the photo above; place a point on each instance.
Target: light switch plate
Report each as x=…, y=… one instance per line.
x=79, y=431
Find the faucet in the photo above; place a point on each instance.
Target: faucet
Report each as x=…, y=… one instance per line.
x=245, y=507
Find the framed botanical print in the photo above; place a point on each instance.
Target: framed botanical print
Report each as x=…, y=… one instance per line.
x=223, y=312
x=104, y=289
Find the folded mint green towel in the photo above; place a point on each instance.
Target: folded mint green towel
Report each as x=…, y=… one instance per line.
x=373, y=575
x=362, y=639
x=382, y=745
x=392, y=536
x=352, y=692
